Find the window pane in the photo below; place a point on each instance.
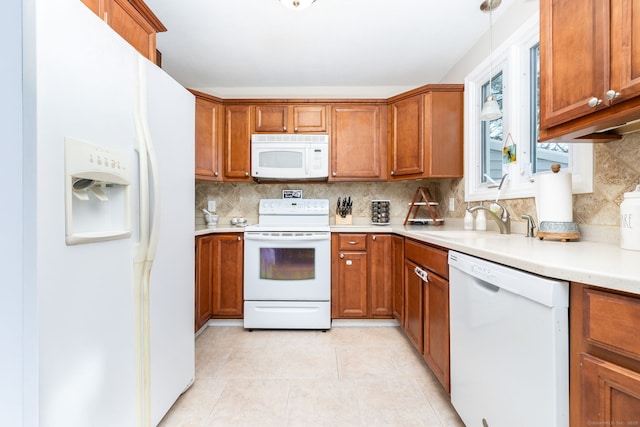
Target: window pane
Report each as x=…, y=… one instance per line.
x=546, y=153
x=492, y=134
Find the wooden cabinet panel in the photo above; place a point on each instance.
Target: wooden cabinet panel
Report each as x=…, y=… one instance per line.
x=352, y=276
x=406, y=149
x=228, y=274
x=133, y=21
x=397, y=278
x=426, y=127
x=290, y=118
x=612, y=393
x=358, y=143
x=380, y=256
x=625, y=49
x=436, y=328
x=237, y=149
x=572, y=34
x=209, y=142
x=434, y=259
x=413, y=315
x=352, y=242
x=204, y=280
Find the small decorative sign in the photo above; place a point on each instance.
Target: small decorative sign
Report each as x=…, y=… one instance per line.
x=509, y=150
x=292, y=194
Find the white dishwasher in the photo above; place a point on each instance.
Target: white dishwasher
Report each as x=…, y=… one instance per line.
x=509, y=345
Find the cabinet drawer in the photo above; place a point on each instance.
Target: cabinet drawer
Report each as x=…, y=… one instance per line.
x=432, y=258
x=352, y=242
x=610, y=321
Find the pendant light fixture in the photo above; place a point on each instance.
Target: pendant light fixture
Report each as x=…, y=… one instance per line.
x=298, y=4
x=490, y=109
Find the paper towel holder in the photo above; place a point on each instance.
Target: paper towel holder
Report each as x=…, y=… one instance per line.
x=558, y=230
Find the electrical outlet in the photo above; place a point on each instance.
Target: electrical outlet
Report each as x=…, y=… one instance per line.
x=211, y=205
x=452, y=204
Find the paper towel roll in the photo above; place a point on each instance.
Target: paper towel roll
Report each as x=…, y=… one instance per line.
x=554, y=200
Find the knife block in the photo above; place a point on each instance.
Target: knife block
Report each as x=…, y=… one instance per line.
x=348, y=220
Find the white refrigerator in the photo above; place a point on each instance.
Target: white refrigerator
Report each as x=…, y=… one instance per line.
x=102, y=348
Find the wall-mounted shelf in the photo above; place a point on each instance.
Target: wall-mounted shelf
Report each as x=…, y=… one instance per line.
x=423, y=201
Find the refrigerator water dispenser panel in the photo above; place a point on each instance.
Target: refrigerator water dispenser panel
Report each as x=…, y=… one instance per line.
x=97, y=193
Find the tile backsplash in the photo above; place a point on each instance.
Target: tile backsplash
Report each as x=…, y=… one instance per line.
x=616, y=171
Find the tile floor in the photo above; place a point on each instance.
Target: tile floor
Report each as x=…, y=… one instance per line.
x=348, y=376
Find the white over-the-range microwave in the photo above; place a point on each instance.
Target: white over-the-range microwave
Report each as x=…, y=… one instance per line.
x=289, y=156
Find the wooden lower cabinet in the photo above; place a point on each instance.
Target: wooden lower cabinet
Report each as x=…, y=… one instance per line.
x=605, y=357
x=426, y=306
x=361, y=276
x=397, y=281
x=219, y=274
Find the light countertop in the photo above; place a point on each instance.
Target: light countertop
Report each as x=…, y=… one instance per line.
x=589, y=262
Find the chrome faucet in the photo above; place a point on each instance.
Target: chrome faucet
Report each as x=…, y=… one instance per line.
x=503, y=221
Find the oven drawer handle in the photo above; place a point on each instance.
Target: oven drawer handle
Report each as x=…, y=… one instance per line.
x=288, y=238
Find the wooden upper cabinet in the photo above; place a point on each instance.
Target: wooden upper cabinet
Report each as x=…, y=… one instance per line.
x=426, y=133
x=589, y=68
x=133, y=20
x=237, y=143
x=209, y=139
x=358, y=143
x=290, y=118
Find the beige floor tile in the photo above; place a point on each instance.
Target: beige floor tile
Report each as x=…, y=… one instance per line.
x=195, y=405
x=365, y=362
x=232, y=337
x=323, y=403
x=251, y=403
x=210, y=360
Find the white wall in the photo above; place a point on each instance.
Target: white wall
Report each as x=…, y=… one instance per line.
x=507, y=23
x=11, y=364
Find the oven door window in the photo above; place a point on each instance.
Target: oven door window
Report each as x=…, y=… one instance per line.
x=287, y=263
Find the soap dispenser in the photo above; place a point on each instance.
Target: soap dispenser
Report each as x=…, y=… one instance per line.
x=481, y=220
x=468, y=220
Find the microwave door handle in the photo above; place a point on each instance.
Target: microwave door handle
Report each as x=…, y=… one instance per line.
x=308, y=157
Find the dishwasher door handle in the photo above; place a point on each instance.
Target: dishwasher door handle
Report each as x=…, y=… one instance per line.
x=487, y=286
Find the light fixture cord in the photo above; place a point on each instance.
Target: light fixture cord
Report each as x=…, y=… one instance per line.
x=490, y=46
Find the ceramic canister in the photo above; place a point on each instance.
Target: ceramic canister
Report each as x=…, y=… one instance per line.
x=630, y=220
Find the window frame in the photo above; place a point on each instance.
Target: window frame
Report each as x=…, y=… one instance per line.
x=514, y=59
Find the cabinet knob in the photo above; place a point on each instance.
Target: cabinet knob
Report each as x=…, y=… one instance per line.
x=611, y=94
x=284, y=129
x=295, y=129
x=239, y=238
x=594, y=102
x=215, y=174
x=246, y=174
x=334, y=174
x=373, y=237
x=391, y=173
x=341, y=256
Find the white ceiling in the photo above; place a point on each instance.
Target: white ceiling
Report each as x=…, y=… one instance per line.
x=335, y=48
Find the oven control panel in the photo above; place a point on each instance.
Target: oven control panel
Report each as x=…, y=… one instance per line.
x=294, y=207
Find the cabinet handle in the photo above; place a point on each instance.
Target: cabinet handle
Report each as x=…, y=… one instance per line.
x=391, y=173
x=611, y=94
x=284, y=129
x=352, y=243
x=239, y=238
x=373, y=238
x=594, y=102
x=246, y=174
x=341, y=256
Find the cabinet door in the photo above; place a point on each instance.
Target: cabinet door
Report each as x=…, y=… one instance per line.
x=625, y=49
x=271, y=118
x=352, y=285
x=209, y=147
x=227, y=279
x=610, y=394
x=436, y=328
x=406, y=149
x=125, y=20
x=204, y=280
x=574, y=58
x=380, y=252
x=443, y=134
x=238, y=143
x=413, y=316
x=309, y=118
x=358, y=144
x=397, y=266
